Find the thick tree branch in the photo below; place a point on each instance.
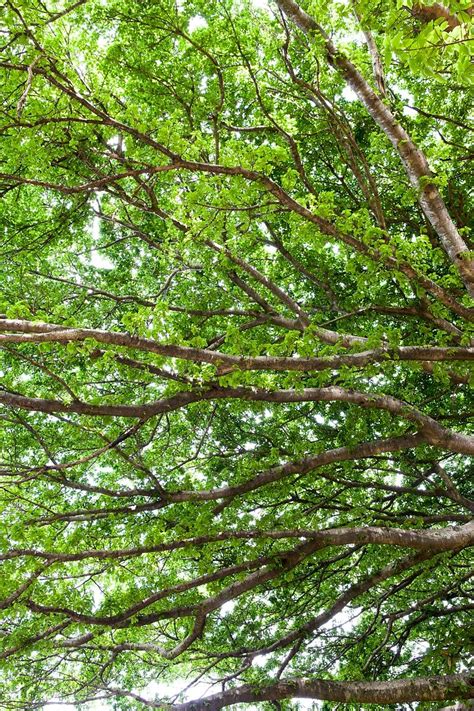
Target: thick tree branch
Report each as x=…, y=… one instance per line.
x=437, y=688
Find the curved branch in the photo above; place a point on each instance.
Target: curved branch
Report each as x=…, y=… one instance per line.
x=433, y=432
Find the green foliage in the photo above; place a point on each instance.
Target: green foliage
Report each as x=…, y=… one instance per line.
x=194, y=179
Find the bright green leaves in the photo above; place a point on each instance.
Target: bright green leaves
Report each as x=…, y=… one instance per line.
x=286, y=227
x=427, y=40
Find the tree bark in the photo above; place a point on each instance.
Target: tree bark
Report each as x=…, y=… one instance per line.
x=437, y=11
x=436, y=688
x=413, y=159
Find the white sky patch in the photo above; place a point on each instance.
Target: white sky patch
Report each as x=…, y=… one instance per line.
x=357, y=36
x=95, y=258
x=125, y=481
x=256, y=514
x=261, y=4
x=198, y=476
x=156, y=691
x=96, y=226
x=398, y=479
x=98, y=597
x=106, y=38
x=227, y=608
x=407, y=98
x=345, y=620
x=115, y=143
x=197, y=23
x=349, y=94
x=99, y=261
x=420, y=647
x=407, y=111
x=333, y=247
x=404, y=94
x=269, y=248
x=24, y=377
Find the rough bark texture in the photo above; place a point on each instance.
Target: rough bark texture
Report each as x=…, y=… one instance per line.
x=436, y=688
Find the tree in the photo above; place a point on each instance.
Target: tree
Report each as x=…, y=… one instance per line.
x=235, y=348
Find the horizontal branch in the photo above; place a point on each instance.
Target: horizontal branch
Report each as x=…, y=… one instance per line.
x=21, y=331
x=436, y=688
x=434, y=433
x=271, y=569
x=435, y=540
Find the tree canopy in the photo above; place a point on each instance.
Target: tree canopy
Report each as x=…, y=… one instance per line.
x=235, y=349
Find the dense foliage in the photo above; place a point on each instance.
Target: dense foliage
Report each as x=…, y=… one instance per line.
x=234, y=350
